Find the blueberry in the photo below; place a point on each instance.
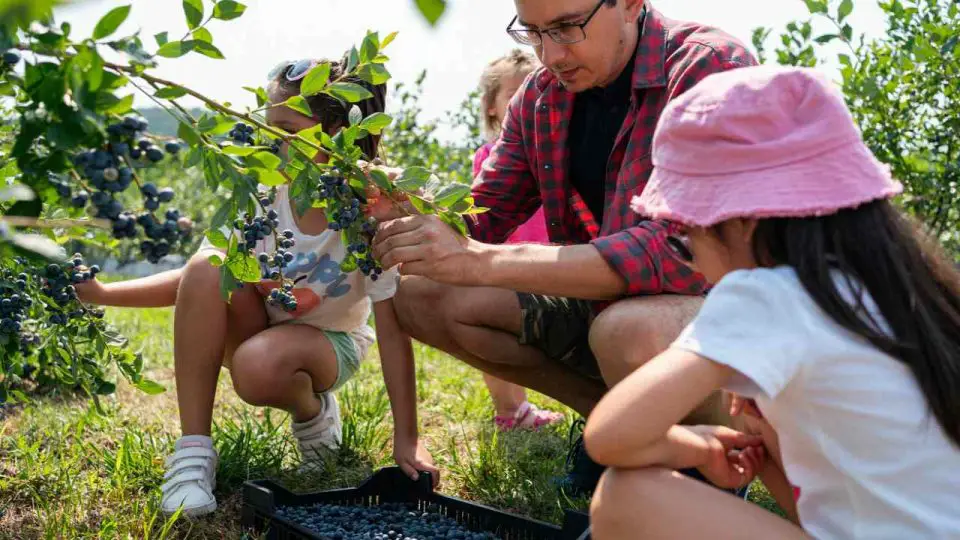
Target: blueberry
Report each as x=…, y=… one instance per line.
x=149, y=189
x=136, y=153
x=151, y=204
x=120, y=149
x=144, y=144
x=288, y=233
x=166, y=195
x=154, y=154
x=172, y=147
x=272, y=214
x=11, y=57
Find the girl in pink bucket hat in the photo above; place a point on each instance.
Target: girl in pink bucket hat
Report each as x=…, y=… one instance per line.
x=831, y=313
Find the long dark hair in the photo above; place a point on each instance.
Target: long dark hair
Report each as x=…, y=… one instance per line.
x=332, y=113
x=915, y=288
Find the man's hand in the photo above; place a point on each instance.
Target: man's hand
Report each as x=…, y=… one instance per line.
x=426, y=246
x=412, y=457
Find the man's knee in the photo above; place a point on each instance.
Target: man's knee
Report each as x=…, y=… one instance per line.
x=419, y=302
x=631, y=332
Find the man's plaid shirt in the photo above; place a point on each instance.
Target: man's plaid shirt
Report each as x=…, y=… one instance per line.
x=528, y=165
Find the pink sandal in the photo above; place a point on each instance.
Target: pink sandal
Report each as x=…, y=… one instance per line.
x=528, y=416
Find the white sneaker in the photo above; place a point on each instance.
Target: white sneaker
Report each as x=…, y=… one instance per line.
x=321, y=436
x=190, y=478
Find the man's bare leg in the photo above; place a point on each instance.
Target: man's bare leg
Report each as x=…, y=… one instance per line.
x=481, y=326
x=632, y=332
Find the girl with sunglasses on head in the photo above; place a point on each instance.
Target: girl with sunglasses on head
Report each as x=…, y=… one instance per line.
x=292, y=361
x=830, y=309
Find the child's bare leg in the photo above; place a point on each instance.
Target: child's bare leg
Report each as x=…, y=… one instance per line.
x=200, y=333
x=507, y=397
x=658, y=502
x=284, y=367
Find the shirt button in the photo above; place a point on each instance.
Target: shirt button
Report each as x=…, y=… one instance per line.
x=543, y=108
x=554, y=223
x=547, y=166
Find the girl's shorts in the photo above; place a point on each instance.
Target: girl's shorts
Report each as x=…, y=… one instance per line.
x=351, y=349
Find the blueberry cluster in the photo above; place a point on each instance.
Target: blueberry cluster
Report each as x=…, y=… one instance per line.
x=283, y=298
x=58, y=286
x=11, y=57
x=256, y=228
x=365, y=261
x=384, y=522
x=162, y=236
x=14, y=306
x=332, y=186
x=343, y=214
x=242, y=133
x=109, y=172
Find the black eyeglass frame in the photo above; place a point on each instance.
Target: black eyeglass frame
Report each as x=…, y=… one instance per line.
x=516, y=32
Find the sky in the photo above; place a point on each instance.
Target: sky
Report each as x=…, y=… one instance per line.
x=468, y=36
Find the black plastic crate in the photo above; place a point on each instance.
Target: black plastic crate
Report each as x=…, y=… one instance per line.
x=262, y=498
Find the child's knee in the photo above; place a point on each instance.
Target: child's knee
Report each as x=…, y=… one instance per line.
x=621, y=498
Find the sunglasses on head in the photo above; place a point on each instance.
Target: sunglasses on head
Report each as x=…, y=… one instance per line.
x=293, y=70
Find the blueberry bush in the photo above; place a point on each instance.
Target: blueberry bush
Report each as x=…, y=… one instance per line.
x=75, y=168
x=904, y=91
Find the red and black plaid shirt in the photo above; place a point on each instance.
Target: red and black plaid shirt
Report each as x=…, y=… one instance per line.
x=528, y=164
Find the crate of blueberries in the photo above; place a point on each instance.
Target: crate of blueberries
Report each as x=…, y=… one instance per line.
x=390, y=506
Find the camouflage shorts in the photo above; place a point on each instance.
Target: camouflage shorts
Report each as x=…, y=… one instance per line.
x=560, y=328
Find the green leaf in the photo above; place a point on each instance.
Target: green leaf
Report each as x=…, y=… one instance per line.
x=950, y=45
x=227, y=10
x=110, y=22
x=188, y=134
x=268, y=177
x=260, y=93
x=216, y=125
x=381, y=180
x=316, y=80
x=455, y=221
x=217, y=238
x=845, y=9
x=162, y=39
x=349, y=92
x=244, y=267
x=817, y=6
x=375, y=74
x=121, y=106
x=355, y=116
x=171, y=92
x=202, y=34
x=237, y=150
x=421, y=205
x=150, y=387
x=207, y=49
x=299, y=104
x=216, y=260
x=105, y=388
x=451, y=194
x=388, y=40
x=193, y=9
x=432, y=9
x=413, y=178
x=176, y=49
x=376, y=122
x=847, y=32
x=370, y=47
x=266, y=160
x=826, y=38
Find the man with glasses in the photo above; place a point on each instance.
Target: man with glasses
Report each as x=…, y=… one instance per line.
x=572, y=319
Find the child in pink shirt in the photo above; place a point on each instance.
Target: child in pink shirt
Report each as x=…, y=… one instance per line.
x=499, y=83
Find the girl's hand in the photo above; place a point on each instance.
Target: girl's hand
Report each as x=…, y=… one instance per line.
x=741, y=405
x=412, y=456
x=733, y=459
x=90, y=292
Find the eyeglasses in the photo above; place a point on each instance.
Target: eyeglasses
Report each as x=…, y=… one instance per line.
x=680, y=246
x=294, y=70
x=564, y=34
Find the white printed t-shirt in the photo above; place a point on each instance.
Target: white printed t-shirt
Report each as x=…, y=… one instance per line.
x=327, y=298
x=855, y=431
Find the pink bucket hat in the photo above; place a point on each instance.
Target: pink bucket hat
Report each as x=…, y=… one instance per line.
x=761, y=141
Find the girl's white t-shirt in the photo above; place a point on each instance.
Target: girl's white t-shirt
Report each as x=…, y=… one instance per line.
x=855, y=431
x=327, y=297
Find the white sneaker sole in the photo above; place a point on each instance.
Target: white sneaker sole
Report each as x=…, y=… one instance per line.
x=196, y=511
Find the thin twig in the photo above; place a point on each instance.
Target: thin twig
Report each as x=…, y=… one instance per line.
x=22, y=221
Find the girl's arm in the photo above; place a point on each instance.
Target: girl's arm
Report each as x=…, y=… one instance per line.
x=399, y=375
x=159, y=290
x=635, y=424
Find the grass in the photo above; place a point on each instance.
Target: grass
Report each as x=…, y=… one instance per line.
x=68, y=472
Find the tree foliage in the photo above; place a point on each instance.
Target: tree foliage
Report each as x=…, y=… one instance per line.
x=903, y=88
